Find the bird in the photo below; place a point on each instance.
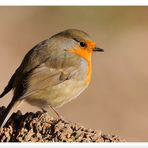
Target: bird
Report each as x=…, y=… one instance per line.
x=53, y=72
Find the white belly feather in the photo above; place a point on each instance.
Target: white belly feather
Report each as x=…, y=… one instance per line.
x=57, y=95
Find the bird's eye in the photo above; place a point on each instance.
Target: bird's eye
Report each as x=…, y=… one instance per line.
x=82, y=44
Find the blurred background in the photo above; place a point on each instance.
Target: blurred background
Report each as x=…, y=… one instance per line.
x=116, y=102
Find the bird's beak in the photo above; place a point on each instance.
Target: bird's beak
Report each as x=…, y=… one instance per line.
x=98, y=49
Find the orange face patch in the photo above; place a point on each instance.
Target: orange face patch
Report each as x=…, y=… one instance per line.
x=86, y=53
x=90, y=44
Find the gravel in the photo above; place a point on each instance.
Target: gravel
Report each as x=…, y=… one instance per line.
x=40, y=127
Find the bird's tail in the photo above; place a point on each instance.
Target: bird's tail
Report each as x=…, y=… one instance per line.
x=9, y=85
x=9, y=110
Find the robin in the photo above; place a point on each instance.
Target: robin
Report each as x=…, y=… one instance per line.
x=53, y=72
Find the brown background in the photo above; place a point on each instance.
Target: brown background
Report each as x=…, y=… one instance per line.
x=117, y=100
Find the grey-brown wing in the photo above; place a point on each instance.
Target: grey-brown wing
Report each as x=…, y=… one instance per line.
x=36, y=56
x=43, y=77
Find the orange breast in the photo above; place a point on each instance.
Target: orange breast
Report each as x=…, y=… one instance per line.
x=89, y=72
x=86, y=55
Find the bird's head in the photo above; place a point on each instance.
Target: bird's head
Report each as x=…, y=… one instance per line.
x=77, y=42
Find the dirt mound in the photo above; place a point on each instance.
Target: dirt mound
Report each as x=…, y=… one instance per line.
x=40, y=127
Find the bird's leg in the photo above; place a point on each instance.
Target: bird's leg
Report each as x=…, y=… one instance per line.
x=44, y=111
x=59, y=116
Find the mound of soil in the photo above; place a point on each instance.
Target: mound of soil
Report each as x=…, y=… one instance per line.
x=40, y=127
